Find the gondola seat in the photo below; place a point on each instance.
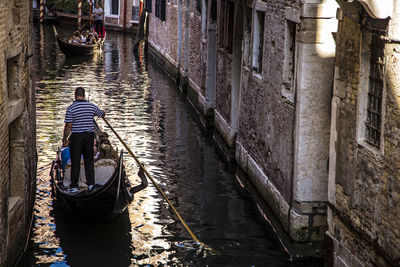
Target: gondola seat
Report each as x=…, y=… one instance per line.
x=103, y=171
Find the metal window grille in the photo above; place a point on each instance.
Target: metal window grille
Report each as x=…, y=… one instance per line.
x=375, y=88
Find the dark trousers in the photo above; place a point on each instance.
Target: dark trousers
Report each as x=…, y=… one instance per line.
x=98, y=27
x=81, y=144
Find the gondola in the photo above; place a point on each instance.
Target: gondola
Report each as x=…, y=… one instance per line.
x=73, y=50
x=110, y=196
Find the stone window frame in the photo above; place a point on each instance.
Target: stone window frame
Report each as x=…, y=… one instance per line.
x=363, y=90
x=259, y=8
x=247, y=37
x=289, y=73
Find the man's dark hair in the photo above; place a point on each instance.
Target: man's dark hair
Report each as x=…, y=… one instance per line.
x=80, y=91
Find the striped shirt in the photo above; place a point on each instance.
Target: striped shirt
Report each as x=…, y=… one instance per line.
x=80, y=114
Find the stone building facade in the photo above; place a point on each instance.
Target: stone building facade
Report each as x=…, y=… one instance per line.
x=364, y=173
x=245, y=63
x=17, y=129
x=267, y=76
x=121, y=14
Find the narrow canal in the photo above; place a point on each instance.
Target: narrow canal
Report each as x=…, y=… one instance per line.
x=145, y=108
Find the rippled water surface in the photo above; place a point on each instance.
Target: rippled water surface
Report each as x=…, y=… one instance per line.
x=143, y=105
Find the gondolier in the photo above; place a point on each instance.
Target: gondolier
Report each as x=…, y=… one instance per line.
x=79, y=125
x=98, y=20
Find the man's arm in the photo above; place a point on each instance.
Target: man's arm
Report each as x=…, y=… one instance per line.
x=67, y=131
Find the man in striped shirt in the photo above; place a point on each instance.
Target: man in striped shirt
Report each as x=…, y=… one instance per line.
x=79, y=121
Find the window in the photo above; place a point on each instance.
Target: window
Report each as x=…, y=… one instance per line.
x=148, y=6
x=135, y=10
x=258, y=41
x=160, y=9
x=371, y=93
x=198, y=5
x=289, y=63
x=221, y=27
x=213, y=12
x=204, y=19
x=247, y=36
x=375, y=89
x=114, y=7
x=230, y=13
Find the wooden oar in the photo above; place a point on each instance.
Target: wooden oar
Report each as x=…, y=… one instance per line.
x=154, y=183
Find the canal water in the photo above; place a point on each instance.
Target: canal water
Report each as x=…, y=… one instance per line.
x=145, y=108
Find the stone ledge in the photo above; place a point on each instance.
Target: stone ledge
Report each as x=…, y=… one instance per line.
x=14, y=109
x=224, y=129
x=297, y=251
x=263, y=184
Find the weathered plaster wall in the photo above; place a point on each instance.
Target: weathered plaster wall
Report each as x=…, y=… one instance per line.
x=281, y=142
x=287, y=137
x=364, y=181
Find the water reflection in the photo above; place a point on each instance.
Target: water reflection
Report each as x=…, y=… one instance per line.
x=144, y=107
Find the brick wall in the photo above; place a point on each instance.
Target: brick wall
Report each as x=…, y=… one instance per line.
x=163, y=35
x=16, y=193
x=266, y=119
x=195, y=49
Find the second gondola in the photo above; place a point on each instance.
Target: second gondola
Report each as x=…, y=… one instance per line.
x=72, y=49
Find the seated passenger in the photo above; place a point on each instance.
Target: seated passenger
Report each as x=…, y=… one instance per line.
x=76, y=38
x=90, y=38
x=83, y=38
x=95, y=37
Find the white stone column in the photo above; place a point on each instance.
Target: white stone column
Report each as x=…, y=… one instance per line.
x=315, y=69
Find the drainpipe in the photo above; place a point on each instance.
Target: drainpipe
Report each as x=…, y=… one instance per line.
x=124, y=20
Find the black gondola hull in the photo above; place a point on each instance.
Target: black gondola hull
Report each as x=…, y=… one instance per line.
x=74, y=50
x=102, y=205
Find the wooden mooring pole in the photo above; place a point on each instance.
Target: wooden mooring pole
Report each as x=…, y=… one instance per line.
x=79, y=13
